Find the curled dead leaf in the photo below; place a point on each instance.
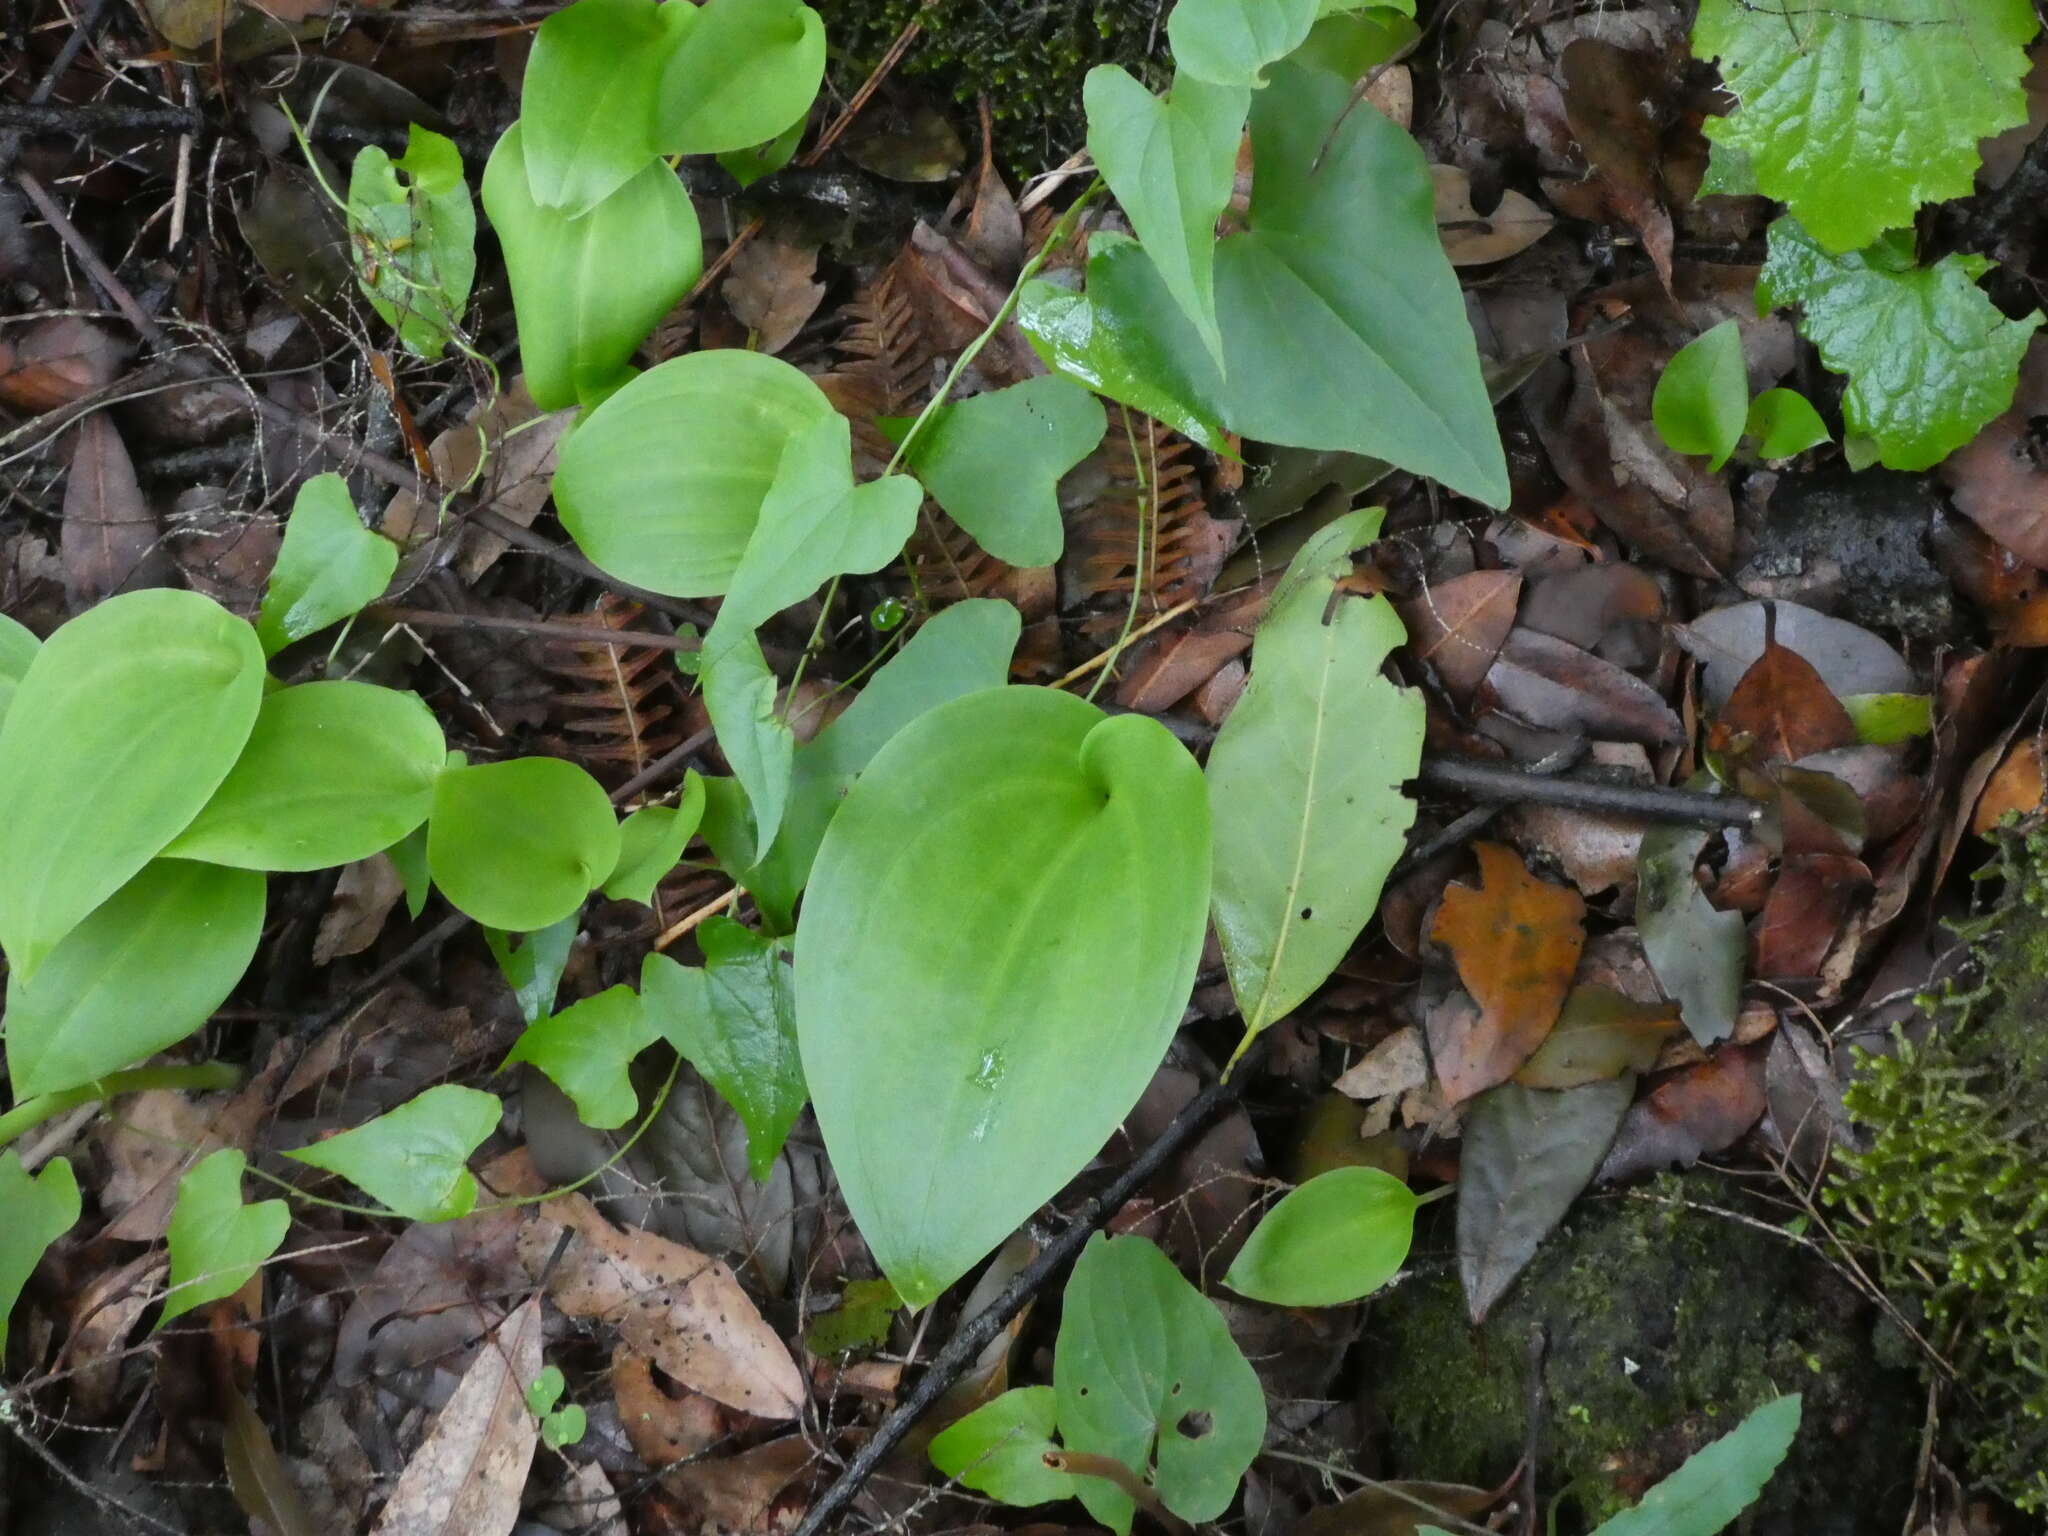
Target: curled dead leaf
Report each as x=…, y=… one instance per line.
x=1472, y=239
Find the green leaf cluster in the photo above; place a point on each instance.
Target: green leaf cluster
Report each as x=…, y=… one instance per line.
x=1702, y=404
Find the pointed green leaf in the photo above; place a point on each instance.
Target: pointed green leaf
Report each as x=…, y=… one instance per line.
x=1783, y=422
x=959, y=650
x=1930, y=358
x=994, y=462
x=751, y=165
x=1702, y=398
x=1146, y=1371
x=1855, y=115
x=745, y=72
x=663, y=484
x=740, y=692
x=586, y=107
x=415, y=1159
x=587, y=1051
x=409, y=857
x=651, y=843
x=582, y=307
x=733, y=1019
x=1231, y=42
x=1172, y=164
x=1339, y=1237
x=216, y=1241
x=1718, y=1483
x=333, y=772
x=414, y=241
x=974, y=1027
x=40, y=1209
x=328, y=566
x=1000, y=1449
x=532, y=963
x=126, y=722
x=18, y=647
x=145, y=970
x=1305, y=780
x=519, y=844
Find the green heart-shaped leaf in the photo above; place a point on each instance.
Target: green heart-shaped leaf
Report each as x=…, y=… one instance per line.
x=587, y=1051
x=745, y=72
x=1340, y=1236
x=586, y=107
x=518, y=845
x=333, y=772
x=582, y=306
x=999, y=938
x=328, y=566
x=415, y=1159
x=145, y=970
x=40, y=1209
x=1784, y=422
x=126, y=722
x=1232, y=41
x=216, y=1241
x=651, y=842
x=1001, y=1447
x=1146, y=1372
x=663, y=485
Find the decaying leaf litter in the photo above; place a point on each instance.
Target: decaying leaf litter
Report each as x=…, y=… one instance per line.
x=1766, y=527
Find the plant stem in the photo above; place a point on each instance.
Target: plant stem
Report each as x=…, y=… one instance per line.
x=30, y=1113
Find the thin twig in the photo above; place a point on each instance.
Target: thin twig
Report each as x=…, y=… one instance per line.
x=966, y=1345
x=690, y=921
x=1104, y=657
x=1517, y=786
x=558, y=630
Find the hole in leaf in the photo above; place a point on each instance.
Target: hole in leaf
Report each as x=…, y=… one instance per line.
x=1195, y=1425
x=1307, y=913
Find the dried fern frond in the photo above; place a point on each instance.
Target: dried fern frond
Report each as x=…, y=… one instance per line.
x=621, y=708
x=1154, y=472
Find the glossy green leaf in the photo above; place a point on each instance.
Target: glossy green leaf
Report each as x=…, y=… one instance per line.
x=564, y=1427
x=1783, y=422
x=582, y=306
x=545, y=1390
x=1697, y=952
x=1305, y=780
x=1527, y=1154
x=328, y=566
x=587, y=1051
x=1119, y=339
x=519, y=844
x=1230, y=42
x=994, y=462
x=1885, y=719
x=126, y=722
x=217, y=1243
x=1340, y=1236
x=1930, y=359
x=415, y=1158
x=740, y=693
x=1855, y=115
x=1145, y=1371
x=663, y=485
x=1702, y=399
x=733, y=1019
x=143, y=971
x=1172, y=163
x=744, y=72
x=586, y=108
x=18, y=647
x=651, y=842
x=1716, y=1484
x=414, y=240
x=1343, y=324
x=751, y=165
x=333, y=772
x=974, y=1027
x=532, y=963
x=1000, y=1449
x=960, y=650
x=40, y=1209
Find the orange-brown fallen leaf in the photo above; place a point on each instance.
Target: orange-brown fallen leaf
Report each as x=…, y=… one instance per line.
x=1516, y=942
x=1781, y=711
x=2017, y=786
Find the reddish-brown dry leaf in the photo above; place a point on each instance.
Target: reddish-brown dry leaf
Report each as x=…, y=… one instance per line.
x=1608, y=92
x=1472, y=238
x=1516, y=941
x=1812, y=899
x=1397, y=1509
x=1587, y=606
x=1781, y=711
x=750, y=1494
x=468, y=1474
x=1183, y=658
x=2017, y=787
x=662, y=1429
x=680, y=1308
x=1997, y=478
x=1547, y=682
x=1457, y=626
x=110, y=538
x=56, y=361
x=1701, y=1109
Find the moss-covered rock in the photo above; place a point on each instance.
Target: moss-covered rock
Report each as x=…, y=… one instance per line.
x=1030, y=56
x=1665, y=1325
x=1953, y=1184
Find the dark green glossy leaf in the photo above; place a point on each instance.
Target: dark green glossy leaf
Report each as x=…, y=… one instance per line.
x=1339, y=1237
x=414, y=240
x=328, y=566
x=519, y=844
x=415, y=1158
x=587, y=1051
x=40, y=1209
x=217, y=1243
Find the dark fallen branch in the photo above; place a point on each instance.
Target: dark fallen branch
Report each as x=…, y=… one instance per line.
x=88, y=119
x=1519, y=786
x=966, y=1345
x=81, y=34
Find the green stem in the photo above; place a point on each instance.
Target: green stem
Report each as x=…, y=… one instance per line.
x=1437, y=1194
x=30, y=1113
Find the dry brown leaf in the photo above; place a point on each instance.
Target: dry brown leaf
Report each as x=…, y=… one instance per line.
x=1457, y=626
x=468, y=1474
x=1694, y=1112
x=1781, y=711
x=662, y=1429
x=1516, y=941
x=53, y=362
x=1395, y=1065
x=103, y=1314
x=363, y=898
x=2016, y=787
x=1550, y=683
x=1472, y=239
x=1813, y=898
x=1609, y=93
x=621, y=706
x=1997, y=478
x=110, y=539
x=772, y=289
x=749, y=1494
x=257, y=1475
x=681, y=1309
